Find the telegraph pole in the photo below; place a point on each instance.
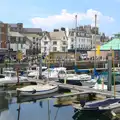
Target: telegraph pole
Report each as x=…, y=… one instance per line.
x=95, y=42
x=75, y=39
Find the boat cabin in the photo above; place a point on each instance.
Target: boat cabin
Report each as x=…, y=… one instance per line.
x=9, y=74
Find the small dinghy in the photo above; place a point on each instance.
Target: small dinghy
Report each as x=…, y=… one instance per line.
x=37, y=90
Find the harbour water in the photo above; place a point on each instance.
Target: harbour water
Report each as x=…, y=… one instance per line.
x=11, y=108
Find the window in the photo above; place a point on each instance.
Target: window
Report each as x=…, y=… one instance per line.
x=45, y=48
x=63, y=49
x=45, y=43
x=72, y=46
x=21, y=45
x=79, y=40
x=72, y=40
x=81, y=46
x=19, y=40
x=64, y=43
x=54, y=42
x=24, y=41
x=36, y=39
x=13, y=39
x=54, y=49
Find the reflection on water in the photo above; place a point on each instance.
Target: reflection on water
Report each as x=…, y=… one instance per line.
x=42, y=109
x=78, y=115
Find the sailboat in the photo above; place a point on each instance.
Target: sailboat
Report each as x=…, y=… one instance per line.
x=39, y=89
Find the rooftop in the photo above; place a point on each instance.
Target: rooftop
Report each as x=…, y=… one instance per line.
x=57, y=35
x=114, y=44
x=15, y=34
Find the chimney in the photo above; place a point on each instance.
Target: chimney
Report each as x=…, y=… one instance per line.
x=62, y=29
x=56, y=30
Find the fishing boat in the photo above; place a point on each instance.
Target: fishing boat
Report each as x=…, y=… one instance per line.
x=33, y=90
x=76, y=79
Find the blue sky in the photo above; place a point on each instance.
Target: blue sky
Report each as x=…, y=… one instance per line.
x=49, y=14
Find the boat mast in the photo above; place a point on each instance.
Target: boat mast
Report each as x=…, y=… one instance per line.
x=114, y=77
x=75, y=39
x=95, y=42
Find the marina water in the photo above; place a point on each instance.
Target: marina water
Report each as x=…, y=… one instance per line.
x=13, y=108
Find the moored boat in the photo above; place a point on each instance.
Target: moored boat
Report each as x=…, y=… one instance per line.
x=37, y=90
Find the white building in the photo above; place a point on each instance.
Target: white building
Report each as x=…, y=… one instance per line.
x=83, y=38
x=79, y=40
x=54, y=42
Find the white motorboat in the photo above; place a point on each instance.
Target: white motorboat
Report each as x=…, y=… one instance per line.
x=51, y=73
x=84, y=77
x=33, y=90
x=76, y=79
x=11, y=76
x=35, y=68
x=110, y=105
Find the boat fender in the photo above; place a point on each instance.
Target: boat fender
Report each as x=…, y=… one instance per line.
x=34, y=91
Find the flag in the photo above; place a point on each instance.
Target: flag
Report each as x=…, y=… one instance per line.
x=98, y=50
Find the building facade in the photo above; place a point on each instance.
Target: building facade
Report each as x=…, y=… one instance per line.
x=54, y=42
x=26, y=40
x=83, y=38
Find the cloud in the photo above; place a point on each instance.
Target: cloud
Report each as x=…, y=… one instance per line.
x=67, y=18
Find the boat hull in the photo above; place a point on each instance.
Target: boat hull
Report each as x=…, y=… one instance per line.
x=72, y=82
x=90, y=84
x=36, y=93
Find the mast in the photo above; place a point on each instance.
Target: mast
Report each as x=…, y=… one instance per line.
x=75, y=39
x=95, y=42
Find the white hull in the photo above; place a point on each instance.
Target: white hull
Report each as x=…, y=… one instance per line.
x=38, y=92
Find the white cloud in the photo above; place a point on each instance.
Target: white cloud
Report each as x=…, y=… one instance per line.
x=66, y=18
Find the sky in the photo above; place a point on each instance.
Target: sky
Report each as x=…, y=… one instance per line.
x=50, y=14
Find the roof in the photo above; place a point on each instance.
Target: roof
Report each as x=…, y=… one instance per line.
x=114, y=44
x=32, y=35
x=15, y=34
x=13, y=25
x=32, y=30
x=57, y=35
